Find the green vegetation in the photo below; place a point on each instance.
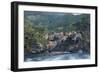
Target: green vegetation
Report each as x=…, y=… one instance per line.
x=33, y=35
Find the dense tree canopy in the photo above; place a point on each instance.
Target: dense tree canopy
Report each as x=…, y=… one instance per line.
x=33, y=35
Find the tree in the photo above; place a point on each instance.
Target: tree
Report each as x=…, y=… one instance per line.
x=33, y=36
x=29, y=39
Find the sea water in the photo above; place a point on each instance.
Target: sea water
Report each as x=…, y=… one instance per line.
x=54, y=57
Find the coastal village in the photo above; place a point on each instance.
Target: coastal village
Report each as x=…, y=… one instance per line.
x=60, y=42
